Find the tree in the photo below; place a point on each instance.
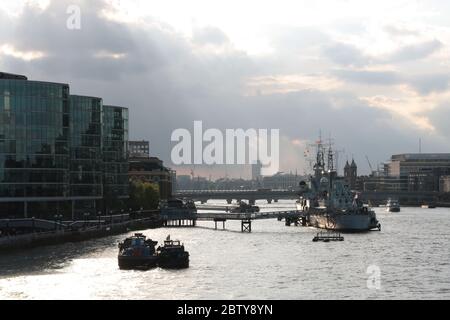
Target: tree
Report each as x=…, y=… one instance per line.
x=144, y=195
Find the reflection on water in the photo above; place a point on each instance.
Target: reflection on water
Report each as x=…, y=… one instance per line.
x=273, y=262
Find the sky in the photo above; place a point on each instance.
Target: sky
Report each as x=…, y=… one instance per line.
x=373, y=75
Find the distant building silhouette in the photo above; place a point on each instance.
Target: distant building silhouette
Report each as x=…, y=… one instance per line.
x=139, y=148
x=351, y=174
x=256, y=170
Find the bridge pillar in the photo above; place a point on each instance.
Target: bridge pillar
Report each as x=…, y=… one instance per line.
x=246, y=226
x=269, y=201
x=229, y=201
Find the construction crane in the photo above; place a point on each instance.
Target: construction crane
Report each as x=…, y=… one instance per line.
x=370, y=166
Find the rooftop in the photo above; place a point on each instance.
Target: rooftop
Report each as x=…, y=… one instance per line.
x=11, y=76
x=420, y=156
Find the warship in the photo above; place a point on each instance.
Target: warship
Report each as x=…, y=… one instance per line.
x=329, y=203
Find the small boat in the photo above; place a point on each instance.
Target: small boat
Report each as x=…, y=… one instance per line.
x=137, y=252
x=175, y=208
x=392, y=206
x=327, y=237
x=429, y=206
x=245, y=208
x=172, y=255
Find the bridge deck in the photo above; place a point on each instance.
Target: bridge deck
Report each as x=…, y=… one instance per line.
x=248, y=216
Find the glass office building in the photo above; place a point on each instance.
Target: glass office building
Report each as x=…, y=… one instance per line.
x=85, y=152
x=115, y=151
x=58, y=151
x=34, y=143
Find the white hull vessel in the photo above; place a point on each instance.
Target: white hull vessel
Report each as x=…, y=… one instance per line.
x=346, y=221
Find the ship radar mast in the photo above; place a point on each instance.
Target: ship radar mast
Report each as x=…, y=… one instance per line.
x=319, y=166
x=330, y=162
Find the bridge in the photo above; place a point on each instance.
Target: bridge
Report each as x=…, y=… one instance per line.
x=251, y=195
x=407, y=198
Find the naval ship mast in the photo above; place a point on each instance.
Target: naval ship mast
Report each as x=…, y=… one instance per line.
x=319, y=166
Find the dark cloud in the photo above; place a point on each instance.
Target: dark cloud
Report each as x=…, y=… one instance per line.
x=346, y=55
x=439, y=117
x=384, y=78
x=167, y=83
x=349, y=56
x=415, y=51
x=428, y=83
x=85, y=53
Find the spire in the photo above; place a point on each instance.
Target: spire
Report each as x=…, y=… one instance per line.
x=347, y=165
x=353, y=165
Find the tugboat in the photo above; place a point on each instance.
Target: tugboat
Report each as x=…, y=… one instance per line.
x=172, y=255
x=137, y=252
x=392, y=206
x=329, y=203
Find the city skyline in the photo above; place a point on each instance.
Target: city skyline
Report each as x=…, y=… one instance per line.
x=379, y=69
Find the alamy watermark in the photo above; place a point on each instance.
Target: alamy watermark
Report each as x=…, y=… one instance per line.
x=233, y=146
x=73, y=22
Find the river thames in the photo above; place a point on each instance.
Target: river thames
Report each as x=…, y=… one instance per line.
x=408, y=259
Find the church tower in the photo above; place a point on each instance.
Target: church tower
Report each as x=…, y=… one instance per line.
x=351, y=174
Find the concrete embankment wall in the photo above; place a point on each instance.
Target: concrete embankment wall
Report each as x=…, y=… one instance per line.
x=12, y=243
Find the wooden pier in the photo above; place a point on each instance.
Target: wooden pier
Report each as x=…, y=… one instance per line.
x=291, y=216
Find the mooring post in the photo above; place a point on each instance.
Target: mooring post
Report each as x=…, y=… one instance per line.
x=246, y=225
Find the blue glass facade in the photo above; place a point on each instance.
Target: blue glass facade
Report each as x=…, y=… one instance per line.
x=115, y=151
x=34, y=139
x=86, y=146
x=58, y=151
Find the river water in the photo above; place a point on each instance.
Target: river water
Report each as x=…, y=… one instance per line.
x=408, y=259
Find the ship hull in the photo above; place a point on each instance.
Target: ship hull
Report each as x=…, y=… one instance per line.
x=342, y=223
x=143, y=263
